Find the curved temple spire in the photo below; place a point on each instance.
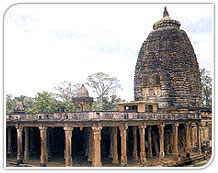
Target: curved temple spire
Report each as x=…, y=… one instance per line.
x=165, y=13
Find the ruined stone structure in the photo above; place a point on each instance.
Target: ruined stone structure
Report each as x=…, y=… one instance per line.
x=83, y=99
x=163, y=126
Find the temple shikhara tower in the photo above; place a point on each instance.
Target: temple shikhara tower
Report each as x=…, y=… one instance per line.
x=164, y=125
x=167, y=70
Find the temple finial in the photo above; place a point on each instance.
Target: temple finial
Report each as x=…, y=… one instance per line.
x=165, y=13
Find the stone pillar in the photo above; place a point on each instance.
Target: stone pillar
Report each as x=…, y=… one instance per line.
x=19, y=145
x=90, y=146
x=26, y=144
x=115, y=152
x=149, y=142
x=207, y=133
x=175, y=139
x=142, y=144
x=9, y=141
x=134, y=153
x=123, y=145
x=191, y=137
x=43, y=142
x=199, y=137
x=68, y=146
x=96, y=155
x=194, y=137
x=187, y=138
x=161, y=135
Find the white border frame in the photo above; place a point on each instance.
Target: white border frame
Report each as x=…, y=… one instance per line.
x=112, y=168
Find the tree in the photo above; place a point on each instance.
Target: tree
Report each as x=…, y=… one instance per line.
x=10, y=104
x=103, y=85
x=66, y=90
x=109, y=104
x=206, y=83
x=18, y=104
x=45, y=102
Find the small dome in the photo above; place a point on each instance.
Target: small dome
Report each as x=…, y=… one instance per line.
x=82, y=92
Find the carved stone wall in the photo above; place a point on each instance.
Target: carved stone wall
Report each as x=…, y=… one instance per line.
x=167, y=61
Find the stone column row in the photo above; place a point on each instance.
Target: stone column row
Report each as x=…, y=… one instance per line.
x=188, y=138
x=94, y=154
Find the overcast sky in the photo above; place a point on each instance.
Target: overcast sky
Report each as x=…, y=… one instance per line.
x=47, y=44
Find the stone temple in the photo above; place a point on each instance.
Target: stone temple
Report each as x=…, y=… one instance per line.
x=167, y=70
x=165, y=125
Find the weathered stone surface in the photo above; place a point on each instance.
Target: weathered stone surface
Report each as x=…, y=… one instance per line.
x=43, y=148
x=167, y=70
x=96, y=154
x=19, y=144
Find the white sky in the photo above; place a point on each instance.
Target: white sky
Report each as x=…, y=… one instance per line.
x=47, y=44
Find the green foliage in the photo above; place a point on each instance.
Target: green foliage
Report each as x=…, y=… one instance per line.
x=206, y=83
x=110, y=103
x=18, y=104
x=102, y=84
x=45, y=103
x=67, y=106
x=10, y=104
